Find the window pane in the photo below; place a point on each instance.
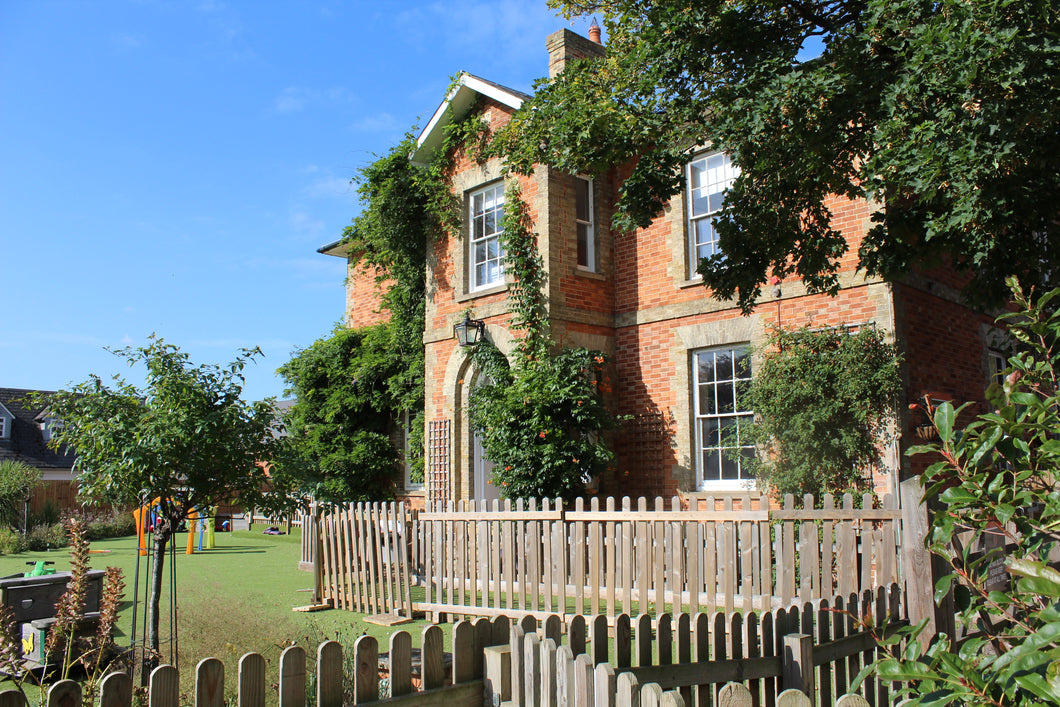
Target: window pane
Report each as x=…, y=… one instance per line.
x=489, y=222
x=583, y=245
x=707, y=400
x=711, y=466
x=706, y=366
x=726, y=401
x=700, y=202
x=581, y=200
x=480, y=252
x=716, y=200
x=730, y=468
x=697, y=173
x=724, y=365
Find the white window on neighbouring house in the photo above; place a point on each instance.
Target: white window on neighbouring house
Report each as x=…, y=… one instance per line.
x=721, y=416
x=707, y=179
x=486, y=251
x=3, y=427
x=583, y=216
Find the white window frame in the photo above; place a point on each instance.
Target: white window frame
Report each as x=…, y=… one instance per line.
x=718, y=173
x=585, y=225
x=7, y=421
x=488, y=270
x=3, y=426
x=712, y=448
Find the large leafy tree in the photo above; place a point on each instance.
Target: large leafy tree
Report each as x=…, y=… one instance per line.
x=186, y=438
x=342, y=422
x=944, y=115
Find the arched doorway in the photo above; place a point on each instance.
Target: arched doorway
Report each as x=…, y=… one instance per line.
x=481, y=465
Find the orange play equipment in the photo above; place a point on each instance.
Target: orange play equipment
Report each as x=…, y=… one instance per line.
x=142, y=515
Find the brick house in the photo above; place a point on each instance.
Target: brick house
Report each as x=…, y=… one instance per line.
x=24, y=433
x=637, y=297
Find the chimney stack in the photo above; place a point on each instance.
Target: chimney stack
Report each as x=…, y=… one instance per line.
x=565, y=45
x=594, y=32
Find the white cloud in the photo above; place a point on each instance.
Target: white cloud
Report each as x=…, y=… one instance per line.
x=378, y=123
x=305, y=224
x=330, y=188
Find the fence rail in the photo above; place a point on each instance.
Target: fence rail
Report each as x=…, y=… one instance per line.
x=539, y=558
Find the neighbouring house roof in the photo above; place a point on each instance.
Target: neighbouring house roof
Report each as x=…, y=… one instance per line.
x=465, y=90
x=339, y=249
x=26, y=441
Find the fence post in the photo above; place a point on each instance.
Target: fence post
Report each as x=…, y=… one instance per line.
x=919, y=567
x=797, y=668
x=498, y=687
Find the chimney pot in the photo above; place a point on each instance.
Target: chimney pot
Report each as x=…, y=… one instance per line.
x=594, y=32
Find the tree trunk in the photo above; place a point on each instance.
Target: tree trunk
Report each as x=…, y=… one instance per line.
x=154, y=602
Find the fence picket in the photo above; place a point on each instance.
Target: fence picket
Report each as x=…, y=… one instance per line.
x=251, y=681
x=400, y=662
x=115, y=690
x=163, y=688
x=67, y=693
x=210, y=683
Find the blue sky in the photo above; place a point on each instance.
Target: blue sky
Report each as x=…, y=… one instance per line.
x=171, y=166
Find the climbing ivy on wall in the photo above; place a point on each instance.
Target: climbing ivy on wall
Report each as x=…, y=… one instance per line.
x=356, y=387
x=541, y=413
x=822, y=400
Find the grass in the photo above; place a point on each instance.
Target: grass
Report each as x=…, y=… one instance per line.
x=233, y=599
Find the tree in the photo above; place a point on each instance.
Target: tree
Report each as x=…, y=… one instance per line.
x=997, y=478
x=186, y=438
x=342, y=421
x=946, y=115
x=17, y=481
x=822, y=401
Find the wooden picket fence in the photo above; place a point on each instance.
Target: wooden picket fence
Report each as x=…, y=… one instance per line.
x=407, y=680
x=816, y=649
x=539, y=558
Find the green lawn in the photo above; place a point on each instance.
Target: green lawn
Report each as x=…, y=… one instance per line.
x=235, y=598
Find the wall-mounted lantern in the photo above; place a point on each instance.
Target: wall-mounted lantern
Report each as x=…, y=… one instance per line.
x=469, y=332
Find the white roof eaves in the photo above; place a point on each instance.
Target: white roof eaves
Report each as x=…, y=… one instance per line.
x=457, y=100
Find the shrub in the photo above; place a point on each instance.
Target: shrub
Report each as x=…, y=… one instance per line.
x=997, y=478
x=45, y=537
x=11, y=541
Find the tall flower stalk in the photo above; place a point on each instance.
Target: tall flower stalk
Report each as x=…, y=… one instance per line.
x=70, y=608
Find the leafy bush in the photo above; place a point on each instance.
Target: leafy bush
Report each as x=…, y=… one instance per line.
x=17, y=481
x=44, y=537
x=11, y=541
x=117, y=525
x=998, y=480
x=822, y=399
